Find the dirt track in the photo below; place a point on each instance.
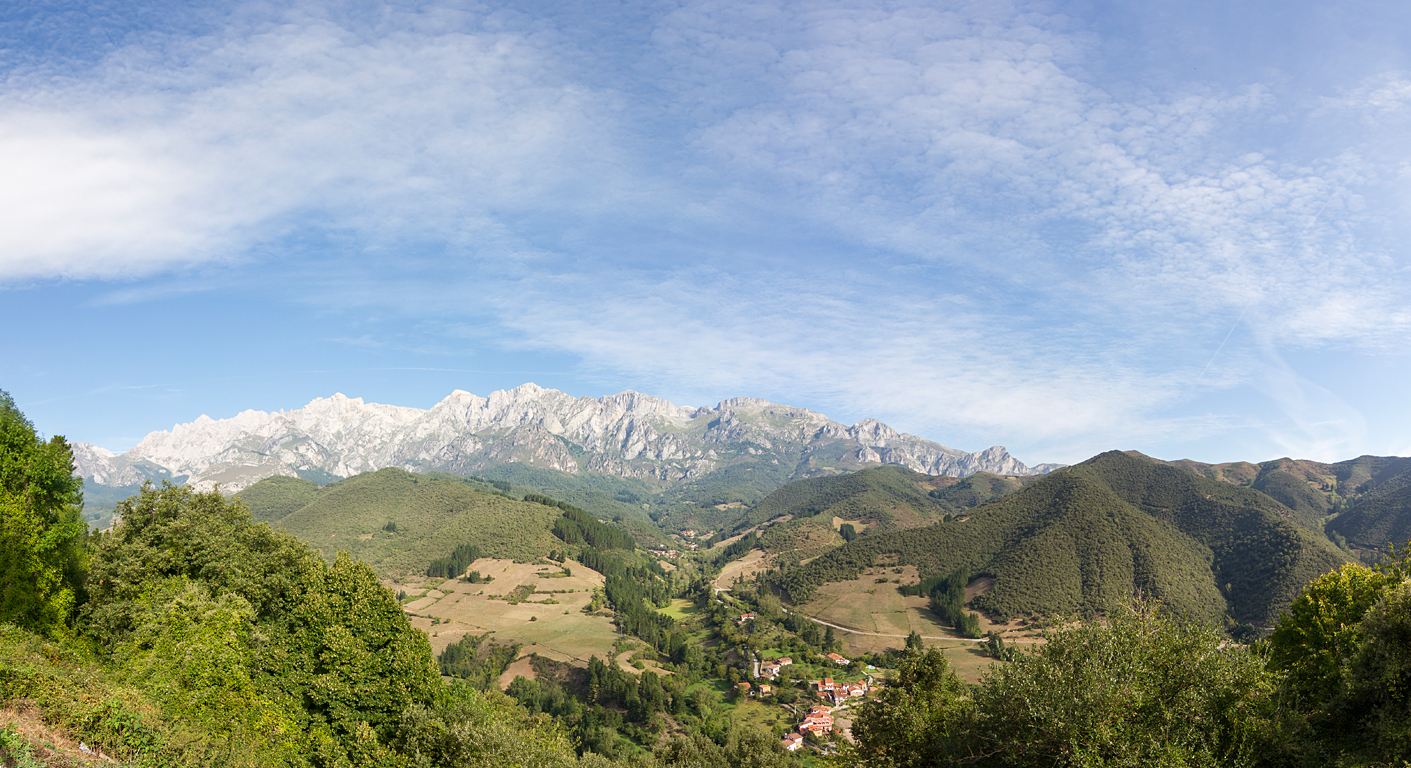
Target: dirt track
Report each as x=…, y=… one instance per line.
x=923, y=637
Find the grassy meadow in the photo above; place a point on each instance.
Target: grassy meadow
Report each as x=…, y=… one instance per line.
x=448, y=609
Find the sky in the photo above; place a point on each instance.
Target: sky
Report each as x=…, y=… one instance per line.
x=1175, y=227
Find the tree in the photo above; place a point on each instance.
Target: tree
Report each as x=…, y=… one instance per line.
x=915, y=722
x=464, y=728
x=914, y=643
x=1321, y=632
x=328, y=639
x=195, y=654
x=1380, y=674
x=1140, y=689
x=42, y=532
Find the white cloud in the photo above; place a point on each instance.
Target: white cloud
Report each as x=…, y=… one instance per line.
x=79, y=202
x=931, y=214
x=209, y=148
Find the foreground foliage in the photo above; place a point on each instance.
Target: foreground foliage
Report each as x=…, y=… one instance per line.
x=41, y=528
x=1140, y=689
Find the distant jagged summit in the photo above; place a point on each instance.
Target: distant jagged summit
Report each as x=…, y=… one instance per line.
x=628, y=435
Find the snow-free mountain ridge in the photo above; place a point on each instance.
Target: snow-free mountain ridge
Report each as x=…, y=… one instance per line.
x=628, y=435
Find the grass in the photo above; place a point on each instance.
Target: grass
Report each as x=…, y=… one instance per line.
x=469, y=608
x=432, y=515
x=864, y=604
x=744, y=568
x=754, y=714
x=681, y=609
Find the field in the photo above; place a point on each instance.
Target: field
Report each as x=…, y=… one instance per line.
x=743, y=568
x=866, y=605
x=870, y=617
x=681, y=609
x=450, y=609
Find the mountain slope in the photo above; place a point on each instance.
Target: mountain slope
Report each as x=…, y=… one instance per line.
x=1382, y=515
x=628, y=435
x=1313, y=491
x=431, y=515
x=873, y=500
x=1078, y=538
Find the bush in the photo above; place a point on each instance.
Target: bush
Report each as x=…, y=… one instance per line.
x=1144, y=689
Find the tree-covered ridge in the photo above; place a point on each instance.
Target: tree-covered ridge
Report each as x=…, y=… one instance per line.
x=1359, y=499
x=1383, y=514
x=1080, y=538
x=575, y=526
x=874, y=494
x=959, y=495
x=397, y=521
x=879, y=499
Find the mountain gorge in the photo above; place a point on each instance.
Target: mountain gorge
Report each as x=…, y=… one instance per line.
x=628, y=435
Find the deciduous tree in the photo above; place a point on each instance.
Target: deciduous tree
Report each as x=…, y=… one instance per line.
x=41, y=528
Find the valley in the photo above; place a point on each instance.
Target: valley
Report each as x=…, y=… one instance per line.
x=639, y=611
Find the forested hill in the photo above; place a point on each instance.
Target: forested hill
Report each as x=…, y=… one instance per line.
x=1382, y=514
x=1316, y=492
x=824, y=511
x=1081, y=537
x=398, y=521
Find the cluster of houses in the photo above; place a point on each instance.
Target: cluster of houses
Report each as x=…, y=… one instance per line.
x=771, y=668
x=839, y=692
x=764, y=689
x=671, y=553
x=818, y=721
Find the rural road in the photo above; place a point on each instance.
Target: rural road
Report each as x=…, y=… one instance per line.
x=923, y=637
x=854, y=631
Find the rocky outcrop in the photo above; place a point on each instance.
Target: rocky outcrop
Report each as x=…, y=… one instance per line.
x=628, y=434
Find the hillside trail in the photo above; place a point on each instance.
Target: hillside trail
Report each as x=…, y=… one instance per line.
x=856, y=631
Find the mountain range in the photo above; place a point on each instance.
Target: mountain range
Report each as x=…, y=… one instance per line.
x=1078, y=539
x=628, y=435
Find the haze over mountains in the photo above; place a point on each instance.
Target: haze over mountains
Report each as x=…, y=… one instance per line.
x=628, y=435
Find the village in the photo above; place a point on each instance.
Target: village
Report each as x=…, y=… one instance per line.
x=819, y=722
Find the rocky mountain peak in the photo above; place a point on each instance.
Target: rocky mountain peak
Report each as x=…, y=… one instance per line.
x=628, y=434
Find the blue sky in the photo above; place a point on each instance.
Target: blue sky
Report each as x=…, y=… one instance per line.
x=1063, y=228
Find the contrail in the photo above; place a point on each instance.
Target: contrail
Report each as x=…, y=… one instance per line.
x=1222, y=345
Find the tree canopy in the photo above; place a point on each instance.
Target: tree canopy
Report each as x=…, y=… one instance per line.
x=41, y=528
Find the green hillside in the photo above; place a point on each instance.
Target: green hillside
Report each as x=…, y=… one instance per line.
x=396, y=521
x=876, y=499
x=1078, y=538
x=1382, y=515
x=879, y=499
x=957, y=496
x=606, y=496
x=274, y=498
x=1314, y=491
